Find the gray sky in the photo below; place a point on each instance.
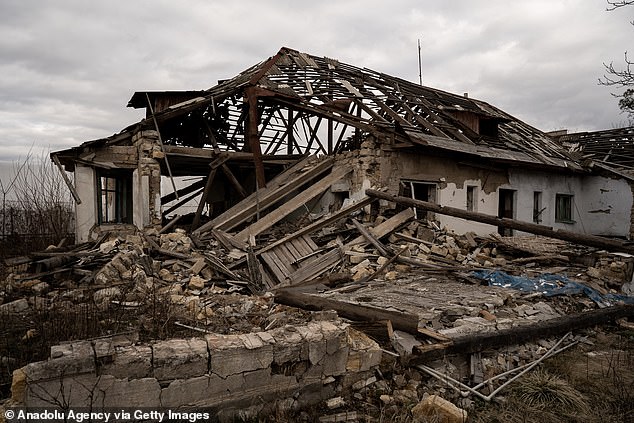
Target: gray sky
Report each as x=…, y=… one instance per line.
x=68, y=67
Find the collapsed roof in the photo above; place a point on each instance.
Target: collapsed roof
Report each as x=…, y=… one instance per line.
x=317, y=105
x=612, y=147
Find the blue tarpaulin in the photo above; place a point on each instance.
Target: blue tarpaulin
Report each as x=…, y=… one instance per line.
x=549, y=285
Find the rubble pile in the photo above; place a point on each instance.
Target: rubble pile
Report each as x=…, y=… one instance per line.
x=405, y=278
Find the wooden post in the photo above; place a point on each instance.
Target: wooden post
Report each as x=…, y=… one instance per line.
x=590, y=240
x=69, y=184
x=254, y=138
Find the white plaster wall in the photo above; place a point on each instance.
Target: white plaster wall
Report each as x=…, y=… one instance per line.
x=456, y=196
x=86, y=212
x=140, y=199
x=601, y=206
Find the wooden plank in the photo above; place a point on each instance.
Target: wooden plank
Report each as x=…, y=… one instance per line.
x=67, y=181
x=233, y=180
x=222, y=238
x=181, y=202
x=316, y=266
x=294, y=251
x=263, y=198
x=301, y=247
x=518, y=335
x=183, y=191
x=171, y=224
x=284, y=256
x=325, y=221
x=296, y=298
x=292, y=205
x=371, y=239
x=273, y=263
x=386, y=227
x=309, y=241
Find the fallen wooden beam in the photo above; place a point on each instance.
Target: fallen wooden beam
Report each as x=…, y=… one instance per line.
x=318, y=224
x=518, y=335
x=297, y=298
x=292, y=178
x=589, y=240
x=67, y=181
x=293, y=204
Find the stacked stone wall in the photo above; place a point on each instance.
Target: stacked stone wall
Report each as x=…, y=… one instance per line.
x=228, y=375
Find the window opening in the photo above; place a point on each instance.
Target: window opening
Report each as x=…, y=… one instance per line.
x=114, y=197
x=472, y=200
x=537, y=207
x=563, y=208
x=506, y=208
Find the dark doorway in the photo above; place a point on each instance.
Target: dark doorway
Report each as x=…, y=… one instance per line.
x=506, y=208
x=423, y=191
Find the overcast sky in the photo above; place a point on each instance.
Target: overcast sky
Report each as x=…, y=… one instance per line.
x=68, y=67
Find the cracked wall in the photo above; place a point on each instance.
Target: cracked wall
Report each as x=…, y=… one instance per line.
x=296, y=366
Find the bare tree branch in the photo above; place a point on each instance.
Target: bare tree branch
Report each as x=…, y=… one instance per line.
x=616, y=4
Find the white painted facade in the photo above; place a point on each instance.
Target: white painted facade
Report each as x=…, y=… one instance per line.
x=86, y=212
x=601, y=205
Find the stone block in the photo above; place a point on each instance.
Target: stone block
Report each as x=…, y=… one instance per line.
x=18, y=386
x=229, y=355
x=72, y=359
x=17, y=306
x=76, y=391
x=439, y=409
x=196, y=282
x=364, y=354
x=104, y=351
x=203, y=391
x=135, y=393
x=288, y=345
x=133, y=362
x=335, y=364
x=180, y=358
x=439, y=250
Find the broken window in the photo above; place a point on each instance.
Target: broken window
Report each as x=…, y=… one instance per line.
x=563, y=208
x=506, y=208
x=423, y=191
x=472, y=198
x=114, y=196
x=537, y=207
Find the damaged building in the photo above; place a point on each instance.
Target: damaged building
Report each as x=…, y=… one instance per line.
x=379, y=132
x=345, y=249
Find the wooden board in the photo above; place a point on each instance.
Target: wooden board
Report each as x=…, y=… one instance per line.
x=290, y=206
x=289, y=180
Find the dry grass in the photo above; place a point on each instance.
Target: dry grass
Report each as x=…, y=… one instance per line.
x=543, y=390
x=589, y=384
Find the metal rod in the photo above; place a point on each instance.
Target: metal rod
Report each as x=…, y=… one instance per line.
x=456, y=385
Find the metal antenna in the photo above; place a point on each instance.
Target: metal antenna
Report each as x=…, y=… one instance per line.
x=420, y=65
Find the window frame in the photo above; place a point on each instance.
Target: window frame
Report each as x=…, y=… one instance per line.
x=564, y=201
x=114, y=196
